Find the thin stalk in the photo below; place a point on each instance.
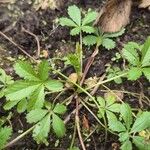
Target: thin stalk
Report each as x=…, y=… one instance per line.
x=81, y=52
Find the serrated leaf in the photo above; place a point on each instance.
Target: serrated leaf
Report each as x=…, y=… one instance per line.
x=21, y=89
x=126, y=114
x=10, y=104
x=41, y=130
x=134, y=73
x=37, y=98
x=110, y=98
x=5, y=134
x=25, y=70
x=141, y=123
x=127, y=145
x=67, y=22
x=113, y=123
x=22, y=106
x=75, y=14
x=123, y=136
x=108, y=43
x=36, y=115
x=75, y=31
x=130, y=53
x=141, y=143
x=114, y=108
x=58, y=126
x=101, y=101
x=90, y=17
x=54, y=85
x=43, y=70
x=60, y=109
x=88, y=29
x=90, y=40
x=146, y=72
x=146, y=53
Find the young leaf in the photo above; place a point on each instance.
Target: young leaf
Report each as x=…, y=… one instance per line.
x=130, y=53
x=67, y=22
x=146, y=53
x=75, y=31
x=25, y=70
x=36, y=115
x=146, y=72
x=126, y=114
x=54, y=85
x=141, y=123
x=43, y=70
x=60, y=109
x=22, y=106
x=102, y=104
x=91, y=16
x=127, y=145
x=20, y=90
x=134, y=73
x=141, y=143
x=88, y=29
x=58, y=126
x=5, y=134
x=114, y=108
x=41, y=130
x=108, y=43
x=90, y=40
x=75, y=14
x=37, y=98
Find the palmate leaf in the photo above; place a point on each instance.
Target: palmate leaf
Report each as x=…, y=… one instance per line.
x=75, y=14
x=67, y=22
x=127, y=145
x=88, y=29
x=146, y=72
x=141, y=123
x=43, y=70
x=90, y=40
x=146, y=53
x=25, y=70
x=60, y=109
x=58, y=126
x=5, y=133
x=108, y=43
x=21, y=89
x=41, y=130
x=37, y=98
x=134, y=73
x=90, y=17
x=75, y=31
x=36, y=115
x=130, y=53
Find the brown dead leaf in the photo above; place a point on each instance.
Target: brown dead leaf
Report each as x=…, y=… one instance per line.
x=73, y=77
x=90, y=82
x=45, y=53
x=85, y=123
x=114, y=15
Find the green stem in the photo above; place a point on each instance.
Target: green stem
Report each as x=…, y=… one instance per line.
x=81, y=52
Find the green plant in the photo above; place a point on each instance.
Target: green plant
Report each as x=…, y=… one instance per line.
x=44, y=119
x=76, y=21
x=103, y=39
x=138, y=57
x=30, y=92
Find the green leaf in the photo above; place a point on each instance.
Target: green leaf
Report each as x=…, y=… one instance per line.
x=123, y=136
x=108, y=43
x=41, y=130
x=90, y=40
x=102, y=104
x=146, y=53
x=88, y=29
x=37, y=98
x=60, y=109
x=134, y=73
x=75, y=14
x=127, y=145
x=58, y=126
x=141, y=123
x=146, y=72
x=113, y=122
x=67, y=22
x=141, y=143
x=126, y=114
x=90, y=17
x=10, y=104
x=22, y=106
x=5, y=134
x=43, y=70
x=21, y=89
x=130, y=53
x=110, y=99
x=101, y=101
x=25, y=70
x=75, y=31
x=36, y=115
x=114, y=108
x=54, y=85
